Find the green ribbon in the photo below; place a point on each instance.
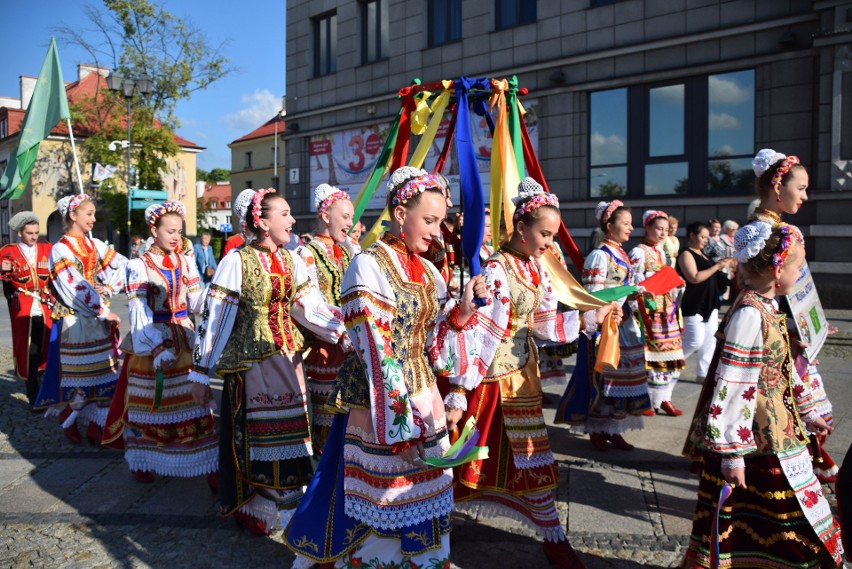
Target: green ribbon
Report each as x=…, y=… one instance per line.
x=378, y=173
x=158, y=391
x=515, y=125
x=451, y=458
x=615, y=293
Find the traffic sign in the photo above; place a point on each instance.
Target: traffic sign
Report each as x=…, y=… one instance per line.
x=225, y=228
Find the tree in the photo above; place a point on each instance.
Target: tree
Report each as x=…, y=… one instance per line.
x=610, y=189
x=218, y=175
x=139, y=37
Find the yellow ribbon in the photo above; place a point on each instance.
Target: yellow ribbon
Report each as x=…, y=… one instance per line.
x=437, y=110
x=504, y=169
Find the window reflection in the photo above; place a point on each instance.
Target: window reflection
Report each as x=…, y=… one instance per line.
x=608, y=138
x=730, y=176
x=665, y=109
x=662, y=179
x=730, y=118
x=608, y=182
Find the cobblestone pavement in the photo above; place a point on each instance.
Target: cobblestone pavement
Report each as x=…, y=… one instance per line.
x=64, y=506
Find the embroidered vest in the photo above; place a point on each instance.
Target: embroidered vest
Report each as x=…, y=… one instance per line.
x=776, y=424
x=263, y=325
x=654, y=260
x=517, y=345
x=416, y=310
x=167, y=288
x=329, y=270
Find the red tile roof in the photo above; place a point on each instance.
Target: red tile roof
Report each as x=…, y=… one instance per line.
x=219, y=193
x=92, y=85
x=266, y=129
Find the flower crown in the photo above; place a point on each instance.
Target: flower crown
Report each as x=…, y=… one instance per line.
x=750, y=240
x=69, y=203
x=652, y=214
x=325, y=196
x=156, y=211
x=604, y=210
x=414, y=186
x=785, y=167
x=256, y=199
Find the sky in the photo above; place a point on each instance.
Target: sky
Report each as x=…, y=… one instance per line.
x=230, y=108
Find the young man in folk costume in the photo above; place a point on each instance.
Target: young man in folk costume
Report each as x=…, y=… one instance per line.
x=25, y=273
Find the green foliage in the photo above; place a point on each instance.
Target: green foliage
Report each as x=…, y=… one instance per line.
x=213, y=176
x=140, y=38
x=611, y=189
x=114, y=206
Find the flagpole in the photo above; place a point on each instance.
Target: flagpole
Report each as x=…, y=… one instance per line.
x=74, y=152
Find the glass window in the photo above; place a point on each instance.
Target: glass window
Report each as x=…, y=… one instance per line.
x=691, y=138
x=445, y=21
x=666, y=179
x=325, y=44
x=374, y=30
x=608, y=143
x=511, y=13
x=248, y=160
x=665, y=129
x=846, y=116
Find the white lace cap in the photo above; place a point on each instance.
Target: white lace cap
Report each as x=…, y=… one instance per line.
x=600, y=209
x=527, y=189
x=321, y=193
x=764, y=159
x=62, y=205
x=750, y=239
x=403, y=174
x=243, y=203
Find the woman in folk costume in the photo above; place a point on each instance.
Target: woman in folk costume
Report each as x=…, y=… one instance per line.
x=622, y=392
x=164, y=430
x=499, y=384
x=25, y=274
x=660, y=316
x=248, y=336
x=749, y=428
x=85, y=273
x=388, y=508
x=782, y=186
x=326, y=258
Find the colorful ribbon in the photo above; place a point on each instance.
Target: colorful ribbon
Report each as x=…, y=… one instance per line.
x=724, y=494
x=462, y=451
x=158, y=391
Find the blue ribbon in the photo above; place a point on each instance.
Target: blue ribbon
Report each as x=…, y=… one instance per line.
x=473, y=199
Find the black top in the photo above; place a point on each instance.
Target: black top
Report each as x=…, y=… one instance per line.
x=702, y=298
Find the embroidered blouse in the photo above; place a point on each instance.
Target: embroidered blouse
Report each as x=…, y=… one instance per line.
x=75, y=263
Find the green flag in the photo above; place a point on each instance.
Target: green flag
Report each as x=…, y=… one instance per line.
x=47, y=107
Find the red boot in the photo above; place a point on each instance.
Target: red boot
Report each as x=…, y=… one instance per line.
x=252, y=525
x=598, y=441
x=560, y=554
x=71, y=433
x=213, y=482
x=94, y=434
x=143, y=476
x=619, y=442
x=669, y=409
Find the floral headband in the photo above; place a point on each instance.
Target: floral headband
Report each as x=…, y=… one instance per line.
x=651, y=215
x=416, y=186
x=750, y=240
x=534, y=203
x=331, y=200
x=156, y=211
x=69, y=203
x=605, y=209
x=785, y=167
x=255, y=204
x=790, y=235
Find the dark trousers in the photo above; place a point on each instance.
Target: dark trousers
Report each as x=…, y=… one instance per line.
x=38, y=347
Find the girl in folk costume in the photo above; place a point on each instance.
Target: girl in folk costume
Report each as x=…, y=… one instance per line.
x=396, y=511
x=486, y=249
x=499, y=383
x=750, y=426
x=85, y=272
x=248, y=336
x=623, y=392
x=782, y=186
x=661, y=317
x=25, y=274
x=326, y=258
x=164, y=430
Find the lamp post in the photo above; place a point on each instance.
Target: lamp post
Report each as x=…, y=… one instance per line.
x=126, y=87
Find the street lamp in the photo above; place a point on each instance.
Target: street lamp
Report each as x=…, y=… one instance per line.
x=126, y=87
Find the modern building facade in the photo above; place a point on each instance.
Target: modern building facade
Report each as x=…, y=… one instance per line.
x=660, y=102
x=54, y=172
